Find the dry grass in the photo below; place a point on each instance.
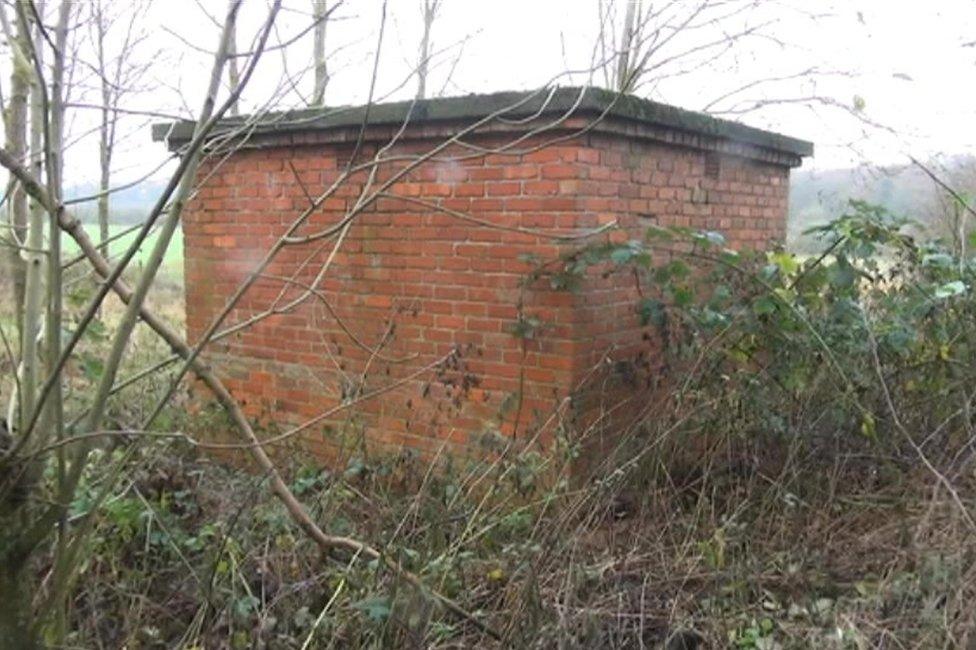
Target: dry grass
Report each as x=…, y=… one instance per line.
x=807, y=558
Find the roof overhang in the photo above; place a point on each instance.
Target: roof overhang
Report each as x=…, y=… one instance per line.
x=565, y=109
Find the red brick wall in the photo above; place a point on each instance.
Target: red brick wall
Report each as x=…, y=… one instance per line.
x=419, y=283
x=642, y=184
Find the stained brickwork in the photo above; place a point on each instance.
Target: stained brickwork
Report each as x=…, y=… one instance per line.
x=435, y=264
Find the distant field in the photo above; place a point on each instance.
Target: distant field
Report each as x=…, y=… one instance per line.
x=172, y=263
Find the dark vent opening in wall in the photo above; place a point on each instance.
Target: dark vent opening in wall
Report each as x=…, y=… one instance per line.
x=713, y=165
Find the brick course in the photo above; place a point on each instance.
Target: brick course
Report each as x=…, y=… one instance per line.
x=410, y=283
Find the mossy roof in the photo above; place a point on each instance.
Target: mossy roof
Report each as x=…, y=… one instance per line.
x=579, y=102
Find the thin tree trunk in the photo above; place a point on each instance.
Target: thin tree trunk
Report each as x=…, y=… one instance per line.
x=34, y=255
x=136, y=308
x=624, y=72
x=54, y=410
x=104, y=144
x=318, y=54
x=14, y=592
x=16, y=144
x=15, y=618
x=430, y=13
x=17, y=628
x=233, y=72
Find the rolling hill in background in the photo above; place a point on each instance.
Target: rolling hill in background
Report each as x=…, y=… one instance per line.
x=818, y=196
x=128, y=206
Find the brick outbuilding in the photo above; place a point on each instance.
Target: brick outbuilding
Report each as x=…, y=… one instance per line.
x=434, y=249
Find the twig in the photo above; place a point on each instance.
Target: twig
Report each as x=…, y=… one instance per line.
x=938, y=181
x=893, y=412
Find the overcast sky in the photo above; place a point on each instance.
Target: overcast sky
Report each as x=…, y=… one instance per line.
x=889, y=77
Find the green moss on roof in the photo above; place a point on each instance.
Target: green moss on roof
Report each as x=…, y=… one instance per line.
x=589, y=102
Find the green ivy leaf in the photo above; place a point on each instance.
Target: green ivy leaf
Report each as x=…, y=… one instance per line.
x=842, y=275
x=652, y=311
x=722, y=293
x=657, y=232
x=96, y=330
x=938, y=260
x=246, y=604
x=950, y=289
x=682, y=296
x=678, y=269
x=621, y=255
x=786, y=262
x=377, y=609
x=710, y=238
x=764, y=305
x=92, y=367
x=716, y=238
x=526, y=327
x=869, y=427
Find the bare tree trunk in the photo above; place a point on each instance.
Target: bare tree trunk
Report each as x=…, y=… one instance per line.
x=624, y=73
x=115, y=81
x=16, y=144
x=34, y=253
x=318, y=53
x=423, y=64
x=14, y=608
x=233, y=72
x=54, y=408
x=17, y=558
x=20, y=532
x=104, y=144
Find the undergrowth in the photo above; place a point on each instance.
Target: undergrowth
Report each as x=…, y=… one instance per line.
x=804, y=480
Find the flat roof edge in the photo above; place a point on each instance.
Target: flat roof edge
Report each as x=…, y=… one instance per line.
x=509, y=106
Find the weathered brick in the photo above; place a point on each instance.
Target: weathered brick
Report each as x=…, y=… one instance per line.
x=411, y=283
